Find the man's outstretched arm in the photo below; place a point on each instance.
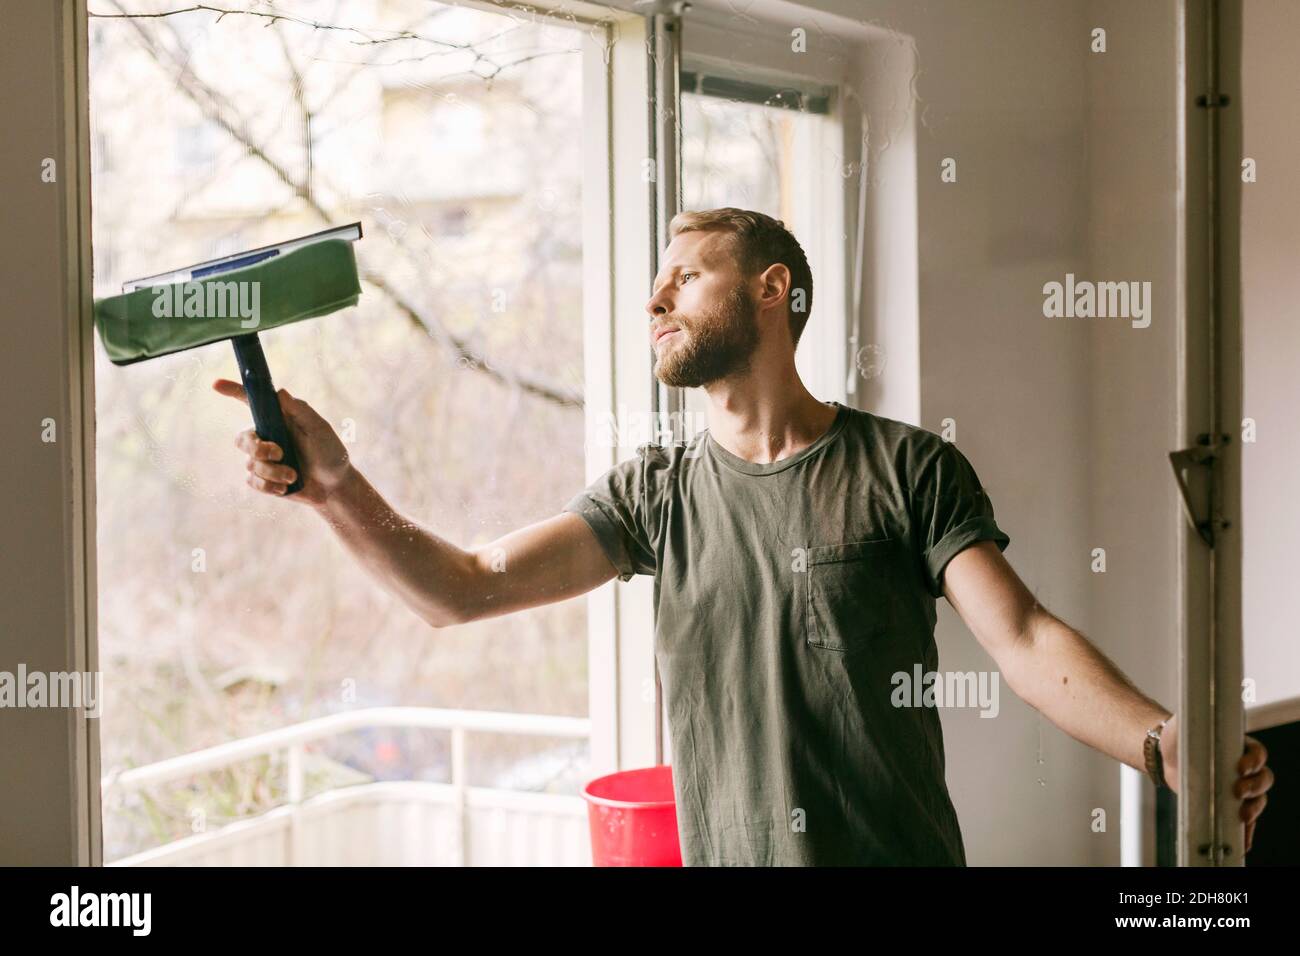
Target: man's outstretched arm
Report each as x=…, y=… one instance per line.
x=548, y=561
x=1060, y=673
x=551, y=560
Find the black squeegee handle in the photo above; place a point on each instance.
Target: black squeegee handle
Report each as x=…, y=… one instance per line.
x=268, y=419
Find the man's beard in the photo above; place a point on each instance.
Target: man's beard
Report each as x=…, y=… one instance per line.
x=711, y=346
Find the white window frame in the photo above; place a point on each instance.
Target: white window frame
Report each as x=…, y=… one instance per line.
x=618, y=273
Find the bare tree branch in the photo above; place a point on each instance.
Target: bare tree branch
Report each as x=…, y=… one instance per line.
x=343, y=84
x=299, y=86
x=271, y=18
x=218, y=109
x=496, y=68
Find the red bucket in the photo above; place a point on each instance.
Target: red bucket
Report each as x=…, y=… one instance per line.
x=634, y=818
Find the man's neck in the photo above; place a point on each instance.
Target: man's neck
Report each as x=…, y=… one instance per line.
x=766, y=421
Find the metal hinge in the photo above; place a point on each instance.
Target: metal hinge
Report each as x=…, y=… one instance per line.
x=1217, y=852
x=1204, y=453
x=1219, y=100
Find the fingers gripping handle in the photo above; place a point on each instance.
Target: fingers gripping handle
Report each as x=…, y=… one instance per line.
x=268, y=419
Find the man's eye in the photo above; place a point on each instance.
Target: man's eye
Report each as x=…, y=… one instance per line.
x=687, y=275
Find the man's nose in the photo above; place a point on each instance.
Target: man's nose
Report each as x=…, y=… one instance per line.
x=657, y=304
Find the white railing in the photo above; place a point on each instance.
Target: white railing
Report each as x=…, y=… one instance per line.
x=543, y=827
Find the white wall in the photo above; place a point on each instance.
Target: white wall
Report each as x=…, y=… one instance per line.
x=1133, y=230
x=1065, y=163
x=1271, y=320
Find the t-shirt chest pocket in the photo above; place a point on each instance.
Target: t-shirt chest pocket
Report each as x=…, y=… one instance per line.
x=852, y=593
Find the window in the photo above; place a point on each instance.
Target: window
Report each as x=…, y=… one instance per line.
x=457, y=382
x=196, y=146
x=497, y=163
x=766, y=146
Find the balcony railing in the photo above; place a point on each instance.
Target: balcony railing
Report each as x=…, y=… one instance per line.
x=390, y=823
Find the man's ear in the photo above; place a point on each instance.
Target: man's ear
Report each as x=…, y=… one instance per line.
x=774, y=285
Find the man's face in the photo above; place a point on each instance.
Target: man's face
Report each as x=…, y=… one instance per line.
x=703, y=322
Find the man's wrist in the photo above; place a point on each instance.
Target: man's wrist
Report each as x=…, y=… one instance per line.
x=336, y=495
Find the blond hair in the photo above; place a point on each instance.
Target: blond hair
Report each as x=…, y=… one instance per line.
x=759, y=241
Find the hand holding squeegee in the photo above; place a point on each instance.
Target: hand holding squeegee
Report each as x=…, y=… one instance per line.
x=234, y=297
x=323, y=459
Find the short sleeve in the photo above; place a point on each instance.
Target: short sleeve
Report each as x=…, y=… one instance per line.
x=950, y=511
x=615, y=507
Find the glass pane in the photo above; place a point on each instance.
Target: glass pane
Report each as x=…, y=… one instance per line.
x=772, y=159
x=456, y=383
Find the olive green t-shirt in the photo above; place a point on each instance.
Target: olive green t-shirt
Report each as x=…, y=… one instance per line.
x=788, y=595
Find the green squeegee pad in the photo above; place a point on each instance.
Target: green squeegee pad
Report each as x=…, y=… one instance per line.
x=312, y=281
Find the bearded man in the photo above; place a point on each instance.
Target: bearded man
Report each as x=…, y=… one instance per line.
x=799, y=548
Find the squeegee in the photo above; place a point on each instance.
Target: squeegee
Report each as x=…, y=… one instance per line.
x=234, y=297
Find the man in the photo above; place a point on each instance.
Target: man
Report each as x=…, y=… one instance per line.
x=799, y=549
